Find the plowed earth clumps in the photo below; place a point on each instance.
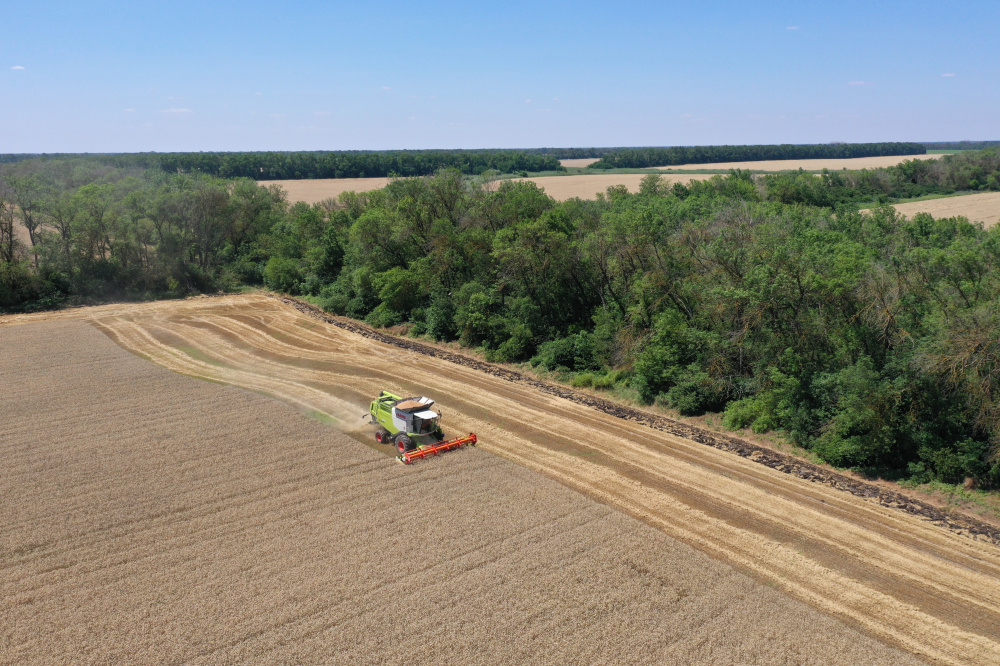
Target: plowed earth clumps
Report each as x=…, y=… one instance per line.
x=893, y=573
x=151, y=518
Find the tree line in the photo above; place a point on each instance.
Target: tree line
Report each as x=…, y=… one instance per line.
x=867, y=338
x=289, y=165
x=960, y=145
x=322, y=164
x=637, y=158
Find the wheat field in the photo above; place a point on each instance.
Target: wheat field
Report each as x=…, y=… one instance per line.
x=150, y=517
x=811, y=164
x=984, y=207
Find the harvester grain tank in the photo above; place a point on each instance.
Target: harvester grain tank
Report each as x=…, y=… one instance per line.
x=411, y=425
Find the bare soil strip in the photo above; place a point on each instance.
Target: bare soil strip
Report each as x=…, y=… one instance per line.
x=810, y=165
x=895, y=574
x=150, y=518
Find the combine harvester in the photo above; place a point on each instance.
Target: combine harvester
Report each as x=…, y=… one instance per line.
x=410, y=424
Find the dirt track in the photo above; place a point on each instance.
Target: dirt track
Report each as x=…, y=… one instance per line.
x=152, y=518
x=893, y=573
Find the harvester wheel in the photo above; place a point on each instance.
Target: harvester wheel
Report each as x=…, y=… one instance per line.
x=382, y=436
x=403, y=443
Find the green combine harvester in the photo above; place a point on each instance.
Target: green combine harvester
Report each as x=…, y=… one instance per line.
x=411, y=425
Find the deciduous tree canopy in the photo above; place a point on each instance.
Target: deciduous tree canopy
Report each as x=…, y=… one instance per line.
x=868, y=338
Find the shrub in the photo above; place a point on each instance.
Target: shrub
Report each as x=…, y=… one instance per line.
x=517, y=347
x=573, y=353
x=695, y=392
x=440, y=317
x=282, y=274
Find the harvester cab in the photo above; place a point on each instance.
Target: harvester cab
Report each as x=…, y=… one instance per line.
x=411, y=425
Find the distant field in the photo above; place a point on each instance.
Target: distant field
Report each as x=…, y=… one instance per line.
x=558, y=187
x=587, y=186
x=315, y=190
x=983, y=208
x=150, y=518
x=582, y=162
x=21, y=232
x=809, y=165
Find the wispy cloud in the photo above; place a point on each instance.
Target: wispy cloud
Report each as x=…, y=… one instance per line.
x=948, y=74
x=129, y=110
x=527, y=101
x=17, y=67
x=792, y=27
x=386, y=88
x=176, y=111
x=859, y=83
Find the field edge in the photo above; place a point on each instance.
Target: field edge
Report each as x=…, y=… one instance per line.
x=960, y=524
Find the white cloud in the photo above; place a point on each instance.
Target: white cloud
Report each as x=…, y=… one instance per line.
x=792, y=27
x=129, y=110
x=176, y=111
x=17, y=67
x=527, y=101
x=859, y=83
x=386, y=88
x=949, y=74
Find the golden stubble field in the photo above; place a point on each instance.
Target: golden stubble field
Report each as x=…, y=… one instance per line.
x=558, y=187
x=811, y=164
x=582, y=162
x=586, y=186
x=891, y=575
x=319, y=189
x=983, y=207
x=149, y=517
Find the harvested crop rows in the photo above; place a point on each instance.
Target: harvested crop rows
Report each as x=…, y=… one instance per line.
x=897, y=576
x=152, y=518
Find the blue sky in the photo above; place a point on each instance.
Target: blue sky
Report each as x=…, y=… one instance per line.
x=135, y=76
